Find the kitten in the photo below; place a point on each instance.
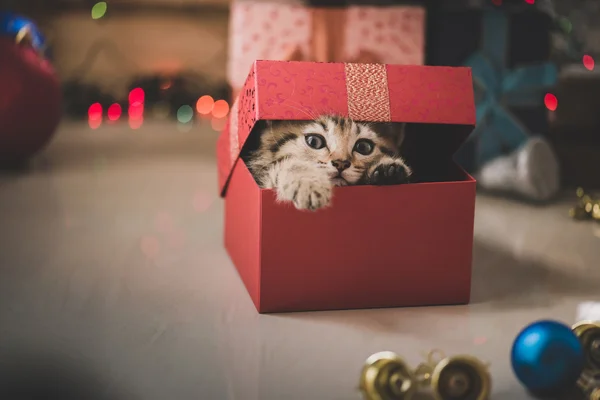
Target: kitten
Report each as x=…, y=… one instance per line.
x=303, y=160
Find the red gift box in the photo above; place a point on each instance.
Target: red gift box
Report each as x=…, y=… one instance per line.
x=377, y=246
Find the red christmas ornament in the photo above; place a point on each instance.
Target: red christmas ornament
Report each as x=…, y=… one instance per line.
x=30, y=100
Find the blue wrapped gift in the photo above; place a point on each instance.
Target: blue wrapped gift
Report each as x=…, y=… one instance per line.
x=518, y=35
x=498, y=87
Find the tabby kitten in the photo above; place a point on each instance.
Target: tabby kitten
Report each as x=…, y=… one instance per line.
x=303, y=160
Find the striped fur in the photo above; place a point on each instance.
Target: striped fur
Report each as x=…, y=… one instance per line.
x=305, y=176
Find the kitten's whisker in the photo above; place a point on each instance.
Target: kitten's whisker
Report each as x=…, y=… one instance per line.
x=301, y=108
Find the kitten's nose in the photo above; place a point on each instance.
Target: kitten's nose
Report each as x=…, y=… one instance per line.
x=341, y=164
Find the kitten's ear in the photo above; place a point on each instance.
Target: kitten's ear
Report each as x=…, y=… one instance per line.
x=401, y=133
x=270, y=124
x=392, y=130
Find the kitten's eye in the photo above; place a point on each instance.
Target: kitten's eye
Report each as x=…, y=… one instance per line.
x=364, y=147
x=315, y=141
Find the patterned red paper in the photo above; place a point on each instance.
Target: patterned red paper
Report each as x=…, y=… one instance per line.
x=268, y=31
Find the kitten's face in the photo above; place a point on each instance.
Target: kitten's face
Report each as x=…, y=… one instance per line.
x=344, y=148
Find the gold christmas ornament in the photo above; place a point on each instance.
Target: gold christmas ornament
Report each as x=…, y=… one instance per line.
x=588, y=333
x=596, y=210
x=386, y=376
x=578, y=213
x=461, y=377
x=586, y=208
x=589, y=385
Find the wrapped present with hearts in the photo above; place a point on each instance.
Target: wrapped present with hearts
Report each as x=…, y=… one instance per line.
x=374, y=246
x=293, y=31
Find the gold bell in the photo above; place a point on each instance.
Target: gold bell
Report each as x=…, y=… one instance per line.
x=461, y=377
x=588, y=333
x=589, y=385
x=386, y=376
x=596, y=210
x=585, y=206
x=579, y=213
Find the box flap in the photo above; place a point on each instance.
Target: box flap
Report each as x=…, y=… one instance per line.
x=283, y=90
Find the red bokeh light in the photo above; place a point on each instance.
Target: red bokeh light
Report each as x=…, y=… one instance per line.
x=95, y=123
x=206, y=117
x=220, y=109
x=95, y=111
x=218, y=124
x=497, y=2
x=136, y=95
x=205, y=105
x=550, y=101
x=136, y=110
x=530, y=1
x=135, y=123
x=588, y=62
x=114, y=112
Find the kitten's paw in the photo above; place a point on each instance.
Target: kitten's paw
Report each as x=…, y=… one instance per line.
x=307, y=193
x=391, y=172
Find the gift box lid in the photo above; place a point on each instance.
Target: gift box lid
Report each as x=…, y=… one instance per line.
x=283, y=90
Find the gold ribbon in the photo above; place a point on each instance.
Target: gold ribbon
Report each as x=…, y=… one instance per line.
x=368, y=93
x=328, y=40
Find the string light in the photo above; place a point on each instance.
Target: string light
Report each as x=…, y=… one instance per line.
x=565, y=24
x=185, y=114
x=161, y=110
x=95, y=115
x=218, y=124
x=99, y=9
x=136, y=110
x=206, y=117
x=184, y=127
x=95, y=111
x=114, y=112
x=94, y=123
x=550, y=101
x=220, y=109
x=588, y=62
x=136, y=95
x=136, y=123
x=205, y=105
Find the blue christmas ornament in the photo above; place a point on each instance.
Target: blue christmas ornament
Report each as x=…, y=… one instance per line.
x=547, y=357
x=12, y=24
